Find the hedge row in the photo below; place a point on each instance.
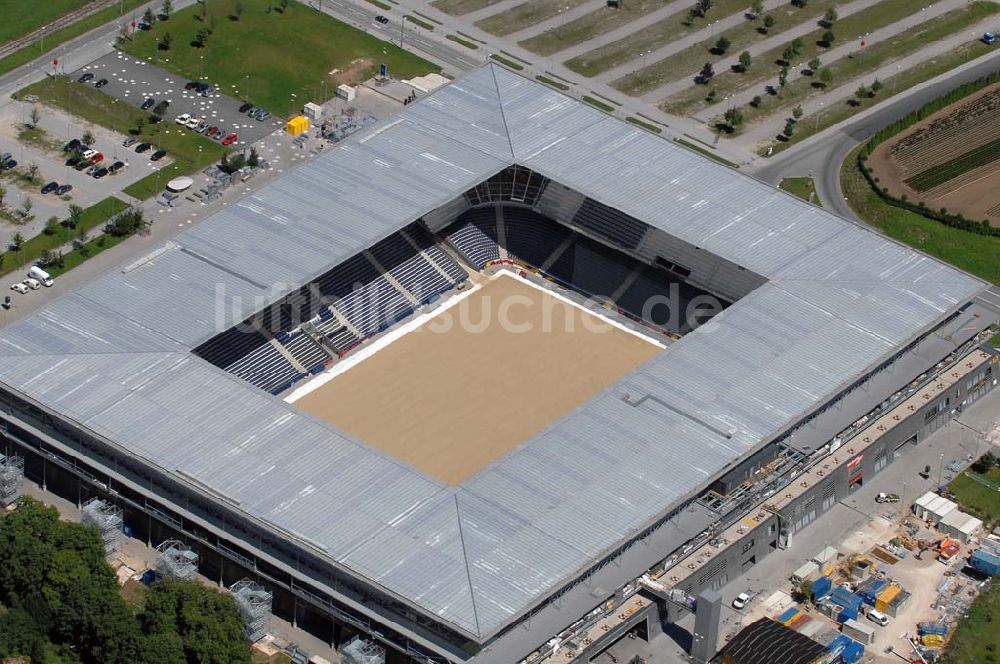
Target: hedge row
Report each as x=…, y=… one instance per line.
x=954, y=220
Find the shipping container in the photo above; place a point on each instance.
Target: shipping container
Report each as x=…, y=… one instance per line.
x=986, y=562
x=870, y=594
x=932, y=640
x=845, y=597
x=898, y=603
x=932, y=628
x=787, y=616
x=853, y=652
x=821, y=588
x=885, y=597
x=808, y=571
x=847, y=613
x=859, y=632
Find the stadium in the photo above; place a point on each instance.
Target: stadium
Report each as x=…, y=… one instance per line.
x=639, y=330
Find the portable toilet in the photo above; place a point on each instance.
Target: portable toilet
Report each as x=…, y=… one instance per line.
x=297, y=125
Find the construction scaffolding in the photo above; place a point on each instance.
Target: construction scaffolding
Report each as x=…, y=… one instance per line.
x=11, y=472
x=255, y=606
x=176, y=560
x=360, y=651
x=107, y=518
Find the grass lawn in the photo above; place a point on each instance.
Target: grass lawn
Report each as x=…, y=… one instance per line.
x=803, y=187
x=977, y=639
x=607, y=108
x=269, y=55
x=32, y=51
x=980, y=500
x=94, y=106
x=973, y=253
x=704, y=151
x=93, y=217
x=507, y=62
x=464, y=42
x=19, y=20
x=554, y=83
x=995, y=341
x=688, y=62
x=846, y=70
x=525, y=15
x=764, y=67
x=645, y=125
x=460, y=7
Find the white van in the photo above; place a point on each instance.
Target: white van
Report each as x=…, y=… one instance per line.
x=41, y=275
x=878, y=617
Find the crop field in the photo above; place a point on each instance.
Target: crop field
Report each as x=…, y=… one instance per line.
x=951, y=159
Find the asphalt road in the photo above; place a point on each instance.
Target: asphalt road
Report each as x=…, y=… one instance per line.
x=822, y=155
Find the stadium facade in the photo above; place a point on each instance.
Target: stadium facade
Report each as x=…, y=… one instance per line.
x=825, y=321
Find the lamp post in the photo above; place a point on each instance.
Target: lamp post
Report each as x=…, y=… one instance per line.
x=402, y=24
x=940, y=468
x=818, y=113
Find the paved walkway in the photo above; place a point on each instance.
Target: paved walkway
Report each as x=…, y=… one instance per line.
x=768, y=127
x=776, y=39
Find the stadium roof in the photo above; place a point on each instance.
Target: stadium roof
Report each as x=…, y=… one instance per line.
x=114, y=355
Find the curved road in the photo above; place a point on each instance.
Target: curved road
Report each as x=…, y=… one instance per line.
x=822, y=155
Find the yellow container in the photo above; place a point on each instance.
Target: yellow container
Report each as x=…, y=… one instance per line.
x=932, y=640
x=297, y=125
x=886, y=596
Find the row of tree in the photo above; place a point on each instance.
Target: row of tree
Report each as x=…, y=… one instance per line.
x=61, y=593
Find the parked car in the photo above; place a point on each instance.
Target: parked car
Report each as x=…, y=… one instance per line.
x=182, y=119
x=250, y=111
x=261, y=115
x=19, y=287
x=80, y=165
x=245, y=107
x=100, y=173
x=148, y=104
x=85, y=77
x=191, y=85
x=208, y=91
x=201, y=128
x=989, y=38
x=9, y=164
x=230, y=138
x=142, y=147
x=382, y=19
x=211, y=131
x=96, y=159
x=742, y=600
x=192, y=123
x=32, y=283
x=115, y=167
x=50, y=187
x=88, y=153
x=64, y=189
x=72, y=145
x=887, y=498
x=129, y=142
x=101, y=83
x=158, y=155
x=201, y=86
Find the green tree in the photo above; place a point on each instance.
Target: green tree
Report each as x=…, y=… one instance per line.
x=797, y=111
x=16, y=243
x=862, y=92
x=32, y=171
x=788, y=54
x=783, y=77
x=745, y=61
x=722, y=45
x=51, y=226
x=876, y=86
x=797, y=45
x=284, y=6
x=707, y=72
x=75, y=215
x=831, y=16
x=87, y=138
x=3, y=193
x=789, y=129
x=238, y=10
x=165, y=41
x=769, y=22
x=35, y=117
x=826, y=76
x=710, y=97
x=254, y=159
x=828, y=38
x=733, y=117
x=206, y=622
x=755, y=102
x=757, y=8
x=815, y=64
x=166, y=9
x=805, y=589
x=140, y=122
x=148, y=18
x=27, y=206
x=201, y=37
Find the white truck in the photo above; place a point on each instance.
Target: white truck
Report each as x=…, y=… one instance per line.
x=41, y=275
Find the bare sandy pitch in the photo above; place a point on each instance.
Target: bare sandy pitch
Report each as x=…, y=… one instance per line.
x=449, y=398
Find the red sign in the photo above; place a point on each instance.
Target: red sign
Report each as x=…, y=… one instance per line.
x=133, y=25
x=855, y=462
x=55, y=63
x=862, y=43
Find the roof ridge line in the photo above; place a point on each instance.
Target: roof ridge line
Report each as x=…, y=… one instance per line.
x=465, y=558
x=503, y=117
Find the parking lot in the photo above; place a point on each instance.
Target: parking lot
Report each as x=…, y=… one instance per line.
x=133, y=81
